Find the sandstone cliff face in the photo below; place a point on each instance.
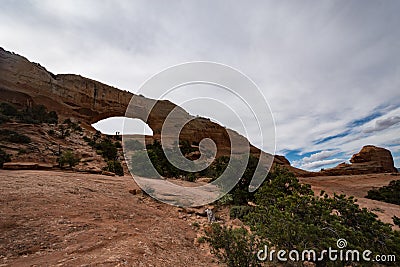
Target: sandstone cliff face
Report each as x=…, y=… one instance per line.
x=24, y=83
x=370, y=159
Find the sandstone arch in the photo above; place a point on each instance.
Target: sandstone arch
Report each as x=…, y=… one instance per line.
x=73, y=96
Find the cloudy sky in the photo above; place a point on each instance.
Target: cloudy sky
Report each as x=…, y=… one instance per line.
x=330, y=70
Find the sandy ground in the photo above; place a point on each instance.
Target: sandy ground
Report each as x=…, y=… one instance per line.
x=358, y=186
x=52, y=218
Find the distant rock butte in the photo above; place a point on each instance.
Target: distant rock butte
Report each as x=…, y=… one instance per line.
x=24, y=83
x=370, y=159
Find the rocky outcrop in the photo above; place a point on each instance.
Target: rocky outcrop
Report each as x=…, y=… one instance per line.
x=377, y=156
x=281, y=160
x=24, y=83
x=370, y=159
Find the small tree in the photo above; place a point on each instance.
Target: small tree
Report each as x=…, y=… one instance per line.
x=4, y=157
x=396, y=220
x=68, y=157
x=115, y=167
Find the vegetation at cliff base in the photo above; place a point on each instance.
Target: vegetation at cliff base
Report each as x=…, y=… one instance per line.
x=4, y=157
x=14, y=137
x=68, y=158
x=108, y=149
x=115, y=167
x=32, y=114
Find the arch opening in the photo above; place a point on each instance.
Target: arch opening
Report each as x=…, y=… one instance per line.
x=122, y=125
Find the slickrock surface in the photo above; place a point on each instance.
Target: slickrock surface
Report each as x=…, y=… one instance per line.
x=50, y=218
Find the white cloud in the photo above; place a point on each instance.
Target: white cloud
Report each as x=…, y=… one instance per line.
x=315, y=165
x=320, y=65
x=319, y=156
x=383, y=124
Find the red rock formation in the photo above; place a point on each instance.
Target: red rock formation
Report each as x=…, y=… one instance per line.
x=377, y=156
x=370, y=159
x=24, y=83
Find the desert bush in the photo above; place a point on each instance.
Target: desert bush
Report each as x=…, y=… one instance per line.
x=34, y=114
x=22, y=151
x=75, y=127
x=389, y=193
x=233, y=247
x=68, y=158
x=64, y=131
x=118, y=144
x=4, y=119
x=37, y=114
x=51, y=132
x=133, y=145
x=8, y=110
x=115, y=167
x=140, y=165
x=288, y=216
x=227, y=199
x=107, y=149
x=239, y=211
x=4, y=157
x=396, y=220
x=14, y=137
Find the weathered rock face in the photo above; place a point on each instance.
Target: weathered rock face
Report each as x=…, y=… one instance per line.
x=24, y=83
x=370, y=159
x=376, y=156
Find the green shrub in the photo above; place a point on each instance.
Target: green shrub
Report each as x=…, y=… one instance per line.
x=115, y=167
x=396, y=220
x=118, y=144
x=64, y=131
x=14, y=137
x=239, y=211
x=75, y=127
x=4, y=119
x=107, y=149
x=8, y=110
x=133, y=145
x=233, y=247
x=4, y=157
x=141, y=166
x=21, y=151
x=288, y=216
x=68, y=158
x=227, y=199
x=389, y=193
x=201, y=239
x=37, y=114
x=51, y=132
x=190, y=177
